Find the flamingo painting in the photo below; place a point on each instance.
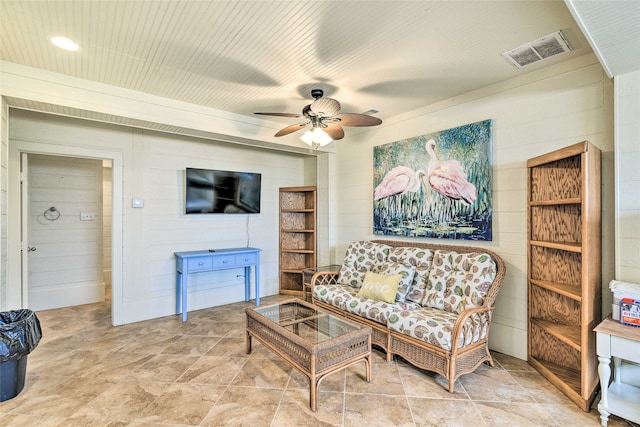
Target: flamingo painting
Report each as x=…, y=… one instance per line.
x=448, y=178
x=398, y=180
x=436, y=185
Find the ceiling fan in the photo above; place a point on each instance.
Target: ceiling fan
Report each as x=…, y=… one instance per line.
x=326, y=121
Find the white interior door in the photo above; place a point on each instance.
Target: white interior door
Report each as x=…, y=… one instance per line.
x=63, y=233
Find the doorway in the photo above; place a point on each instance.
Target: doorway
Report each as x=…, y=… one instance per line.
x=65, y=230
x=17, y=288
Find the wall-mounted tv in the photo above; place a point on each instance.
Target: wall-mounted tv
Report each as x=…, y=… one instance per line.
x=214, y=191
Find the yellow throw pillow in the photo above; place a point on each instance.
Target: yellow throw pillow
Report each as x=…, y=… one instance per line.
x=380, y=286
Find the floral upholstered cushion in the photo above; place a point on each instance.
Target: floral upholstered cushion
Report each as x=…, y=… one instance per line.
x=435, y=326
x=380, y=287
x=361, y=257
x=421, y=260
x=336, y=295
x=405, y=271
x=378, y=311
x=439, y=274
x=461, y=280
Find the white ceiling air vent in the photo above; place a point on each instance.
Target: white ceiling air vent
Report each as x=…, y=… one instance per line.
x=537, y=50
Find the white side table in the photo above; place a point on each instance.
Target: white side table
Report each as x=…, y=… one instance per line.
x=622, y=397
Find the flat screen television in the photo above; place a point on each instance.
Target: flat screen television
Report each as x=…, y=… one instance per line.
x=214, y=191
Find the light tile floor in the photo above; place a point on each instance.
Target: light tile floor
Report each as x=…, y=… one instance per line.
x=162, y=372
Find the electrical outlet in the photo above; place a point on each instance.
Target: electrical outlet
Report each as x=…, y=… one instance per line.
x=86, y=216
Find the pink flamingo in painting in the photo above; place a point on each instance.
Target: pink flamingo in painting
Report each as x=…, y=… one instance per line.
x=398, y=180
x=448, y=178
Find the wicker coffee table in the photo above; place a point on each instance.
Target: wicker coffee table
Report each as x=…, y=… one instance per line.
x=314, y=342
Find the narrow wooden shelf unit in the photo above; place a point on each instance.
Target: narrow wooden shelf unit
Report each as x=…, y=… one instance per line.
x=297, y=236
x=564, y=268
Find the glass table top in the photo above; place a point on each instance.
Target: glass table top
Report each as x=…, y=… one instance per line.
x=307, y=321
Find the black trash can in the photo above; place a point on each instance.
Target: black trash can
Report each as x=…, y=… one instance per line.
x=20, y=333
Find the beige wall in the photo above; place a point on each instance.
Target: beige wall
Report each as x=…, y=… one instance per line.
x=326, y=238
x=627, y=94
x=107, y=206
x=153, y=169
x=4, y=142
x=532, y=115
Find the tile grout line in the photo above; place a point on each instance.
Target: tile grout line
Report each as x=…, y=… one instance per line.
x=473, y=402
x=404, y=390
x=528, y=392
x=286, y=386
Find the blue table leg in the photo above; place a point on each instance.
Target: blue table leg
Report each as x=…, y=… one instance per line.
x=257, y=270
x=247, y=283
x=178, y=292
x=183, y=286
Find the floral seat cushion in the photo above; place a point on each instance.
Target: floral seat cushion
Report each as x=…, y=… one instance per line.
x=336, y=295
x=458, y=281
x=435, y=326
x=378, y=311
x=361, y=257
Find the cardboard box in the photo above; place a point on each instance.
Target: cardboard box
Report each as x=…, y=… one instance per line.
x=630, y=312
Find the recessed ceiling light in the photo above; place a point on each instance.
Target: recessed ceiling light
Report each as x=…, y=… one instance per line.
x=64, y=43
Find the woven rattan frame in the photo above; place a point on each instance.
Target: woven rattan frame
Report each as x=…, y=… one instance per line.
x=314, y=360
x=453, y=363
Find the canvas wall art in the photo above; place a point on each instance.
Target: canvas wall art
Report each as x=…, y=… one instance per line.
x=436, y=185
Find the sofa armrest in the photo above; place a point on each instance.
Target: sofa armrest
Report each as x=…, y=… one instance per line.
x=324, y=278
x=471, y=326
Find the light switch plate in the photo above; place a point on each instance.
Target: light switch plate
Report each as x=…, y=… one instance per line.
x=137, y=203
x=86, y=216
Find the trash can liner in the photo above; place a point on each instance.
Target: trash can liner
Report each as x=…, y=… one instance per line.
x=20, y=333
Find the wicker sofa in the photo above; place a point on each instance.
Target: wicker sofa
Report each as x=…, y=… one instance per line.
x=446, y=295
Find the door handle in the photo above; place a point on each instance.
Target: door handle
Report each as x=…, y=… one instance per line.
x=31, y=249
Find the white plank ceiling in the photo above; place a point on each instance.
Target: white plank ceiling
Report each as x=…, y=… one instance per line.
x=248, y=56
x=613, y=30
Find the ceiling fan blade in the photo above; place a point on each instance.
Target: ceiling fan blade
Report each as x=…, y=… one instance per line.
x=281, y=114
x=291, y=129
x=335, y=131
x=354, y=119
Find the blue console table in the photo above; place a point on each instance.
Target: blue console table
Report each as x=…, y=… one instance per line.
x=218, y=259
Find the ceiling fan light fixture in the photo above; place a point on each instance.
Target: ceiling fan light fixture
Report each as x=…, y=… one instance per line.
x=321, y=137
x=316, y=138
x=326, y=123
x=307, y=138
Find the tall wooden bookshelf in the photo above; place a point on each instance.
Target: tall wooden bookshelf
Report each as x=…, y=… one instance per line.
x=297, y=236
x=564, y=268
